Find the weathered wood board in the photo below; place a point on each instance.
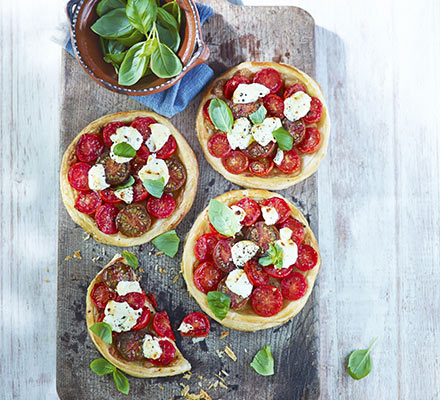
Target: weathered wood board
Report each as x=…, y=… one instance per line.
x=234, y=34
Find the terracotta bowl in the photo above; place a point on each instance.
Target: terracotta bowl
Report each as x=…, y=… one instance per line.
x=82, y=14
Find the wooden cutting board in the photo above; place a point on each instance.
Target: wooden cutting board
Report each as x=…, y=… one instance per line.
x=234, y=34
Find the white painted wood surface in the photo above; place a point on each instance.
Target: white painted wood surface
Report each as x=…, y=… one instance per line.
x=379, y=191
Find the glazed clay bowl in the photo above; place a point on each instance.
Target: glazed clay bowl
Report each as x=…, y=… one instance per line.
x=82, y=14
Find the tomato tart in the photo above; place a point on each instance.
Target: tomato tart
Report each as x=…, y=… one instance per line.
x=142, y=341
x=128, y=177
x=264, y=125
x=256, y=248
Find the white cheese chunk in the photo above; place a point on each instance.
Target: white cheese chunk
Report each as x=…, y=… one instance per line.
x=262, y=133
x=238, y=283
x=240, y=136
x=125, y=134
x=270, y=215
x=290, y=248
x=121, y=316
x=97, y=178
x=125, y=195
x=155, y=168
x=249, y=92
x=239, y=212
x=125, y=287
x=185, y=328
x=297, y=105
x=279, y=157
x=159, y=136
x=151, y=347
x=243, y=251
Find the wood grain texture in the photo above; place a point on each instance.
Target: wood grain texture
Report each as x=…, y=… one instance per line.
x=294, y=345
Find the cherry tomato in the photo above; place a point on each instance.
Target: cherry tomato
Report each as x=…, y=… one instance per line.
x=162, y=326
x=110, y=130
x=207, y=277
x=143, y=320
x=307, y=258
x=78, y=176
x=204, y=246
x=161, y=208
x=168, y=353
x=262, y=235
x=297, y=87
x=232, y=84
x=139, y=191
x=152, y=299
x=177, y=175
x=134, y=299
x=168, y=149
x=218, y=146
x=101, y=295
x=252, y=210
x=311, y=141
x=261, y=167
x=222, y=255
x=235, y=162
x=280, y=205
x=256, y=151
x=291, y=162
x=270, y=78
x=200, y=324
x=108, y=196
x=278, y=273
x=142, y=124
x=117, y=272
x=88, y=202
x=266, y=301
x=314, y=115
x=294, y=286
x=206, y=110
x=255, y=273
x=237, y=301
x=297, y=228
x=89, y=147
x=274, y=105
x=105, y=218
x=296, y=128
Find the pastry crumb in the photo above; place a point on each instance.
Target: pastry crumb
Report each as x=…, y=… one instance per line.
x=141, y=270
x=222, y=385
x=96, y=259
x=224, y=372
x=158, y=253
x=219, y=377
x=187, y=375
x=46, y=280
x=162, y=270
x=224, y=334
x=219, y=353
x=176, y=278
x=68, y=258
x=86, y=236
x=230, y=353
x=77, y=255
x=185, y=390
x=161, y=387
x=201, y=396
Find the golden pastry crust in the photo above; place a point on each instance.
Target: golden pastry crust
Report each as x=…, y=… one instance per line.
x=140, y=369
x=276, y=180
x=246, y=319
x=184, y=199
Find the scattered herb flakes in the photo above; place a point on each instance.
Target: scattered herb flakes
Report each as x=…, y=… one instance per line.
x=224, y=334
x=86, y=236
x=68, y=258
x=176, y=278
x=224, y=372
x=230, y=353
x=158, y=253
x=223, y=385
x=219, y=353
x=187, y=376
x=162, y=270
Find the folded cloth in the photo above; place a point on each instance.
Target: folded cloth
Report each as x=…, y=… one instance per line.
x=175, y=99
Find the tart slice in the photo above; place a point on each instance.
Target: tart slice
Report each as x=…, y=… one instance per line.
x=128, y=177
x=143, y=343
x=264, y=125
x=256, y=249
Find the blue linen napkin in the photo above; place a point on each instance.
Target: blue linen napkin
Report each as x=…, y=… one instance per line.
x=177, y=97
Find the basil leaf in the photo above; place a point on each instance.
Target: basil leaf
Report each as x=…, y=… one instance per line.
x=104, y=6
x=131, y=259
x=121, y=381
x=155, y=186
x=359, y=363
x=223, y=218
x=164, y=62
x=263, y=362
x=273, y=256
x=124, y=150
x=219, y=304
x=168, y=242
x=134, y=65
x=284, y=138
x=101, y=367
x=130, y=40
x=129, y=182
x=113, y=24
x=169, y=36
x=221, y=115
x=258, y=116
x=104, y=44
x=174, y=9
x=166, y=19
x=102, y=330
x=142, y=14
x=114, y=52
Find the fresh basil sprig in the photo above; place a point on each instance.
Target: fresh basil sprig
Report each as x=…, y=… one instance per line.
x=221, y=115
x=360, y=363
x=258, y=116
x=263, y=362
x=168, y=242
x=173, y=8
x=102, y=330
x=129, y=182
x=142, y=14
x=170, y=37
x=273, y=256
x=131, y=259
x=124, y=149
x=104, y=6
x=155, y=186
x=101, y=367
x=223, y=218
x=113, y=24
x=219, y=304
x=284, y=139
x=164, y=62
x=134, y=65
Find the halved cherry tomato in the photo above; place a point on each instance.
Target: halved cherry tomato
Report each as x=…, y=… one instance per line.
x=177, y=174
x=108, y=196
x=296, y=128
x=117, y=272
x=266, y=300
x=235, y=162
x=270, y=78
x=200, y=324
x=252, y=210
x=278, y=273
x=143, y=126
x=281, y=206
x=139, y=191
x=101, y=317
x=297, y=87
x=262, y=235
x=110, y=130
x=274, y=105
x=129, y=345
x=294, y=286
x=88, y=202
x=207, y=276
x=168, y=353
x=311, y=141
x=218, y=146
x=168, y=149
x=256, y=151
x=307, y=258
x=143, y=320
x=256, y=273
x=105, y=218
x=163, y=207
x=222, y=255
x=291, y=162
x=204, y=246
x=218, y=234
x=237, y=301
x=232, y=84
x=314, y=115
x=206, y=110
x=297, y=228
x=101, y=295
x=134, y=299
x=261, y=167
x=78, y=176
x=139, y=160
x=162, y=326
x=152, y=299
x=89, y=147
